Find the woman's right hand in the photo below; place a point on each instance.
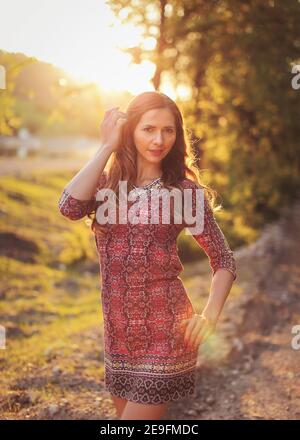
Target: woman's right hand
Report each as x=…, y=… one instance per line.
x=111, y=128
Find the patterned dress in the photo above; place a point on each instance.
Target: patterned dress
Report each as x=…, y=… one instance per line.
x=144, y=300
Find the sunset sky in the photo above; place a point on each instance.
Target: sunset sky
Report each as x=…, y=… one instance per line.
x=80, y=36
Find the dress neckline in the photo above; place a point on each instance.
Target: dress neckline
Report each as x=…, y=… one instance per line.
x=157, y=179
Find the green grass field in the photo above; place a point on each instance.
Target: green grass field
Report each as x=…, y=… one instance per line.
x=49, y=284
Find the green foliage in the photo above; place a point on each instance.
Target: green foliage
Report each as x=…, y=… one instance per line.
x=9, y=119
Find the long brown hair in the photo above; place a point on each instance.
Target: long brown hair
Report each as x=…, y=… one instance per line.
x=177, y=165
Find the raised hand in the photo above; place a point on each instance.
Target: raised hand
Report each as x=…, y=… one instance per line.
x=111, y=128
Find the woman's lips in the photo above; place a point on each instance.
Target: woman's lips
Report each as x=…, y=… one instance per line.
x=155, y=152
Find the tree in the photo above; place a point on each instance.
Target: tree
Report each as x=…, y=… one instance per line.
x=9, y=121
x=235, y=58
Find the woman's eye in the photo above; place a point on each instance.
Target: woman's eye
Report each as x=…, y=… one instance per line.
x=169, y=130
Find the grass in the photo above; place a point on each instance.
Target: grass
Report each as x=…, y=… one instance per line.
x=44, y=300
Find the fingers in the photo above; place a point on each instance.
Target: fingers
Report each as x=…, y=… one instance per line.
x=117, y=117
x=195, y=331
x=109, y=112
x=114, y=111
x=111, y=109
x=191, y=328
x=120, y=122
x=111, y=127
x=190, y=336
x=204, y=333
x=112, y=115
x=198, y=329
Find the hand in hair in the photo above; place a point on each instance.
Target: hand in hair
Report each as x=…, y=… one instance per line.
x=111, y=128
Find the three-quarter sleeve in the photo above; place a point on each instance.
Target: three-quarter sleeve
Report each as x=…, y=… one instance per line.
x=212, y=239
x=75, y=209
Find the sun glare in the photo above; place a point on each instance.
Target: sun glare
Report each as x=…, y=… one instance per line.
x=83, y=38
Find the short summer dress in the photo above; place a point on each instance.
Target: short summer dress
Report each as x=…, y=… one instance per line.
x=144, y=300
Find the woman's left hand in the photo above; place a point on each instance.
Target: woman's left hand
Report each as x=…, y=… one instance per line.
x=198, y=329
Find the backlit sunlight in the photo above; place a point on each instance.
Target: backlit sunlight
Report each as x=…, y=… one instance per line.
x=83, y=38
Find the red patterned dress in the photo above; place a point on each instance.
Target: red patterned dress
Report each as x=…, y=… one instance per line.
x=144, y=300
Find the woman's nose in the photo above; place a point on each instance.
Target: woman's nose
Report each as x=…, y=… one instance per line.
x=158, y=139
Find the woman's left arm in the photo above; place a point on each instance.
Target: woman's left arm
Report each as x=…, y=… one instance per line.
x=223, y=266
x=201, y=326
x=219, y=290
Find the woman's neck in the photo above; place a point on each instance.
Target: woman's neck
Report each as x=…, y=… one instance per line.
x=146, y=176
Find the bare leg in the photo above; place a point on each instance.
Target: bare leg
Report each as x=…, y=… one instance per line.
x=119, y=403
x=141, y=411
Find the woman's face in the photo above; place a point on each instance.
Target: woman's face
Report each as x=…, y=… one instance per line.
x=155, y=135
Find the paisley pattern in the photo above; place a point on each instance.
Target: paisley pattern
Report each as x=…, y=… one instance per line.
x=144, y=300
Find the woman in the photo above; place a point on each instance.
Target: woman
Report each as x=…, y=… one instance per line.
x=151, y=330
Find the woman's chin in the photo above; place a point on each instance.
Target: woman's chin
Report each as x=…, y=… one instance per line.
x=152, y=159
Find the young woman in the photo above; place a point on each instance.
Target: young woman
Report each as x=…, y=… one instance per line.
x=151, y=330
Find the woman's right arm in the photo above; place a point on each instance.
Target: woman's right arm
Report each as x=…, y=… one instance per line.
x=78, y=197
